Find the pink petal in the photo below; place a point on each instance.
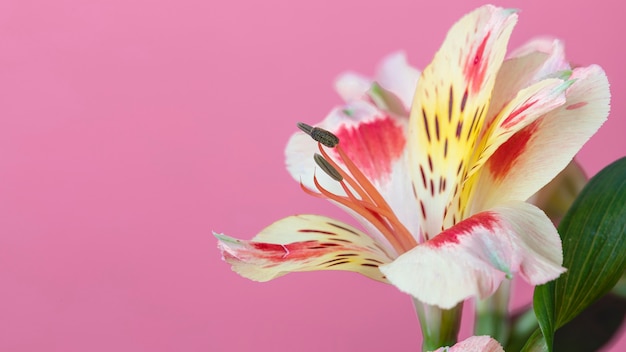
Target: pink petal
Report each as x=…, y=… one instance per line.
x=539, y=151
x=304, y=243
x=474, y=344
x=471, y=258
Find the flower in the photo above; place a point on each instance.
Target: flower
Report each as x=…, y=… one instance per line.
x=437, y=166
x=474, y=344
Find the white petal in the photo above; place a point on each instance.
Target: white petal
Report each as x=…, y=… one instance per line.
x=534, y=61
x=538, y=152
x=373, y=138
x=376, y=143
x=471, y=258
x=399, y=78
x=303, y=243
x=396, y=81
x=555, y=60
x=451, y=100
x=352, y=86
x=529, y=104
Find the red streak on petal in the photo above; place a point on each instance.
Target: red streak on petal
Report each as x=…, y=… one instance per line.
x=487, y=219
x=476, y=67
x=511, y=119
x=373, y=146
x=576, y=105
x=504, y=158
x=291, y=251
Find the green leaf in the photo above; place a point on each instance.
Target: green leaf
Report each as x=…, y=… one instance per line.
x=594, y=251
x=544, y=306
x=523, y=325
x=620, y=288
x=536, y=343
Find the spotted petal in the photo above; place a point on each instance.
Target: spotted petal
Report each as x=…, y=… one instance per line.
x=539, y=151
x=474, y=344
x=530, y=104
x=450, y=104
x=304, y=243
x=376, y=142
x=473, y=257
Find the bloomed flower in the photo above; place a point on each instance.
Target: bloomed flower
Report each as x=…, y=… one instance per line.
x=439, y=182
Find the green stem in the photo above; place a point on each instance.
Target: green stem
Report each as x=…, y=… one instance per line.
x=523, y=325
x=536, y=343
x=492, y=314
x=440, y=327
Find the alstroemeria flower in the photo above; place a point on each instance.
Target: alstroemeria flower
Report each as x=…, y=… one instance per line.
x=439, y=181
x=474, y=344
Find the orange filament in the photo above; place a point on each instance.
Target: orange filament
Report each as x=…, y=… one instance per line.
x=370, y=204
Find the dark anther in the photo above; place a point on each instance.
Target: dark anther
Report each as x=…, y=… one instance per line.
x=305, y=128
x=327, y=168
x=320, y=135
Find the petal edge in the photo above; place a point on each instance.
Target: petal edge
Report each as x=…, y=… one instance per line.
x=474, y=256
x=303, y=243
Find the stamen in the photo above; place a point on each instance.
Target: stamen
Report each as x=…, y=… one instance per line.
x=305, y=128
x=403, y=235
x=327, y=167
x=378, y=201
x=320, y=135
x=369, y=215
x=353, y=183
x=371, y=206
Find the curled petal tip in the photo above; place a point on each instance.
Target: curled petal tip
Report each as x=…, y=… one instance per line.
x=223, y=238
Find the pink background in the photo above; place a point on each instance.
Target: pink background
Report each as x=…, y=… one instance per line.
x=130, y=129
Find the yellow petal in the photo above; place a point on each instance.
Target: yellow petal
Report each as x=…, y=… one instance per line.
x=529, y=105
x=450, y=104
